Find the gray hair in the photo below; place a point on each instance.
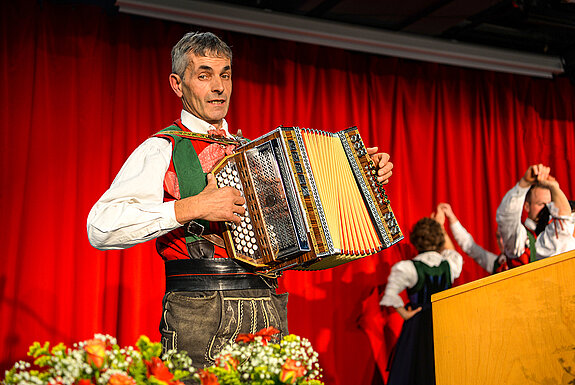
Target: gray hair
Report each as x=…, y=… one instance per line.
x=200, y=44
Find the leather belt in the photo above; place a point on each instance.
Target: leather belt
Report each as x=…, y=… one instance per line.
x=209, y=274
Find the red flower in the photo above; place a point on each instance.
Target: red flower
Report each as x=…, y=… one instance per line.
x=248, y=337
x=121, y=379
x=266, y=335
x=157, y=369
x=227, y=362
x=84, y=382
x=208, y=378
x=291, y=371
x=96, y=352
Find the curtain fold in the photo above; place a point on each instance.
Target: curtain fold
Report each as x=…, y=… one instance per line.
x=82, y=87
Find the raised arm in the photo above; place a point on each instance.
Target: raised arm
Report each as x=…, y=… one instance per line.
x=510, y=210
x=558, y=197
x=439, y=216
x=557, y=236
x=484, y=258
x=533, y=174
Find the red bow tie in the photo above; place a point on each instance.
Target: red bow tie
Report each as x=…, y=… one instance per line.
x=217, y=133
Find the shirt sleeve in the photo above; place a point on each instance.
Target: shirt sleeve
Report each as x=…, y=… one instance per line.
x=557, y=237
x=455, y=261
x=402, y=276
x=484, y=258
x=509, y=221
x=133, y=210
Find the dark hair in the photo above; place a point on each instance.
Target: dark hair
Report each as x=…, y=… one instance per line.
x=200, y=44
x=427, y=235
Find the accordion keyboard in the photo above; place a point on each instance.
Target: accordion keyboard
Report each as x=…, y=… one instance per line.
x=244, y=235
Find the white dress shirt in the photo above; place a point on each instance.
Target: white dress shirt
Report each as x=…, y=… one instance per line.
x=133, y=210
x=484, y=258
x=556, y=239
x=403, y=274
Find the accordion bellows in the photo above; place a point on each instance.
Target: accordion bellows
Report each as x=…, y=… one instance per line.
x=312, y=201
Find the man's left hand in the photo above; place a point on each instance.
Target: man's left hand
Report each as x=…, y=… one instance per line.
x=382, y=163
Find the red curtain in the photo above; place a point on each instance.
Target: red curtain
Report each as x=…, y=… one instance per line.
x=82, y=86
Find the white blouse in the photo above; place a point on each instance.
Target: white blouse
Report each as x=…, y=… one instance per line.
x=403, y=274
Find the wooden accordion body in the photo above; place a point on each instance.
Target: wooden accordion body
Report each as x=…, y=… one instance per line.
x=312, y=201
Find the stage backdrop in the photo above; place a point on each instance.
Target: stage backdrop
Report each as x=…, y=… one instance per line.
x=81, y=86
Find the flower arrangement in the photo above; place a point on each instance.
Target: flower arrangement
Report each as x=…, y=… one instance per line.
x=252, y=359
x=101, y=361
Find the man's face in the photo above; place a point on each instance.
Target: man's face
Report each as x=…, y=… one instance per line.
x=206, y=88
x=539, y=198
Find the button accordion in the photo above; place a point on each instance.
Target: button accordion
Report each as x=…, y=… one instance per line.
x=312, y=201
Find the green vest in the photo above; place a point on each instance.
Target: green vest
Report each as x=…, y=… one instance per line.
x=191, y=178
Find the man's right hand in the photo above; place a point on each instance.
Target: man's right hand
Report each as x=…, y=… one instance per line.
x=212, y=204
x=536, y=172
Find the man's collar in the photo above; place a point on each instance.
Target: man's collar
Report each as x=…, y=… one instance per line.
x=530, y=224
x=199, y=126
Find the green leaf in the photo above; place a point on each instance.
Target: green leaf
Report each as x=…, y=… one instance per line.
x=37, y=350
x=148, y=349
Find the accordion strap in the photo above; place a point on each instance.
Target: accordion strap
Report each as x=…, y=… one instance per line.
x=212, y=274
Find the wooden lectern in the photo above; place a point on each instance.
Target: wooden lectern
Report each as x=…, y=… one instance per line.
x=514, y=327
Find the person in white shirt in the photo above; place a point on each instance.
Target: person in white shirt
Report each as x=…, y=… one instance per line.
x=489, y=261
x=434, y=269
x=164, y=191
x=535, y=190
